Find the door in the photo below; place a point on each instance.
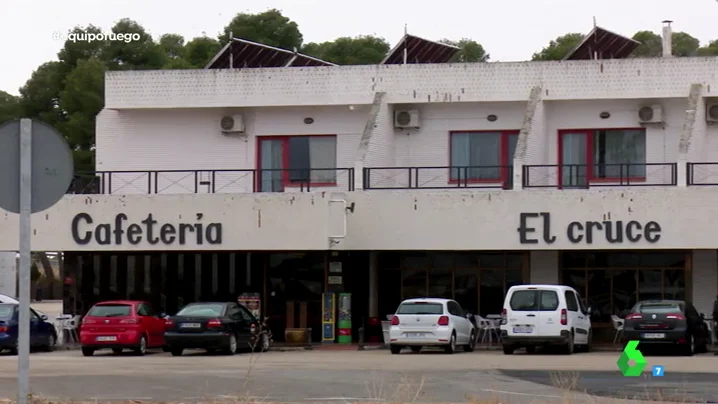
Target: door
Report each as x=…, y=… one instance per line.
x=271, y=157
x=575, y=317
x=245, y=331
x=36, y=330
x=586, y=315
x=573, y=172
x=461, y=322
x=153, y=325
x=522, y=314
x=550, y=313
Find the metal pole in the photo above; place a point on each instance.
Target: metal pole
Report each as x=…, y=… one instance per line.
x=23, y=361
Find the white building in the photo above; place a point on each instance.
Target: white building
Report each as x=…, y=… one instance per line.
x=453, y=180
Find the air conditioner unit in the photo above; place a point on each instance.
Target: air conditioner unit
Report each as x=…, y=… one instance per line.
x=650, y=114
x=232, y=124
x=406, y=118
x=712, y=112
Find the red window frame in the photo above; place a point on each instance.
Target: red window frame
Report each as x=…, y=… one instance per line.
x=504, y=160
x=589, y=133
x=285, y=161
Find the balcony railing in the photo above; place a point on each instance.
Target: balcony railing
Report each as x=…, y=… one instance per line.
x=496, y=177
x=582, y=176
x=702, y=174
x=211, y=181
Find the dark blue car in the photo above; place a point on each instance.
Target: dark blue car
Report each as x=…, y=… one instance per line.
x=42, y=332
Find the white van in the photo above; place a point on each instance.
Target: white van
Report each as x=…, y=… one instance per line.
x=537, y=315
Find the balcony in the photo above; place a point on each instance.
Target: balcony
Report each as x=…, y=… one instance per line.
x=701, y=174
x=486, y=177
x=211, y=181
x=583, y=176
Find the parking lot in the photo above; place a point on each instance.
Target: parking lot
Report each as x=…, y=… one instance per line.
x=329, y=376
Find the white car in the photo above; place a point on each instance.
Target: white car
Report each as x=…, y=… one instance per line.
x=538, y=315
x=8, y=299
x=431, y=322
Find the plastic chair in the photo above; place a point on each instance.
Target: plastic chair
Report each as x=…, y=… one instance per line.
x=487, y=330
x=618, y=326
x=69, y=326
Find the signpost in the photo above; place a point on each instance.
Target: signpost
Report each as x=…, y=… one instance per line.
x=36, y=170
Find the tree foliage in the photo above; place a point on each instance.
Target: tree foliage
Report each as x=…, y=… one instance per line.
x=269, y=28
x=470, y=51
x=360, y=50
x=558, y=48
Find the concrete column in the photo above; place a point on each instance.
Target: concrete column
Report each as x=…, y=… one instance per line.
x=373, y=285
x=8, y=273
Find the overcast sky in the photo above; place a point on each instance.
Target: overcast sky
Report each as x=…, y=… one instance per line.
x=509, y=29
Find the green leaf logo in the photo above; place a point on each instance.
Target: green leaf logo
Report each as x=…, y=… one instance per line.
x=631, y=354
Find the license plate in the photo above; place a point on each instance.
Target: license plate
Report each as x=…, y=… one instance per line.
x=523, y=330
x=101, y=339
x=415, y=335
x=190, y=325
x=654, y=336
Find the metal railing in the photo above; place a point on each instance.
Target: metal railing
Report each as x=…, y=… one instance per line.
x=699, y=174
x=488, y=177
x=582, y=176
x=211, y=181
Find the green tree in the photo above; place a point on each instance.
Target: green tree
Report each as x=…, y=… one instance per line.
x=173, y=45
x=268, y=28
x=9, y=107
x=200, y=50
x=82, y=99
x=709, y=50
x=558, y=48
x=143, y=54
x=470, y=51
x=40, y=96
x=651, y=45
x=74, y=51
x=360, y=50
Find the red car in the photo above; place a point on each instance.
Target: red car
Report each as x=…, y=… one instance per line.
x=122, y=324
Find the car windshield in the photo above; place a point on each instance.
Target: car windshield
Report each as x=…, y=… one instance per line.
x=658, y=308
x=420, y=308
x=110, y=310
x=202, y=310
x=6, y=311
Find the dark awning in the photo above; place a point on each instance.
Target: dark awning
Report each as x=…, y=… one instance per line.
x=248, y=54
x=419, y=50
x=604, y=44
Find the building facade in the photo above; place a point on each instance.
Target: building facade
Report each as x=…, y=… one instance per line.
x=395, y=181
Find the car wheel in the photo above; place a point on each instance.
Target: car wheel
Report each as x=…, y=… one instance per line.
x=569, y=347
x=176, y=351
x=51, y=343
x=509, y=349
x=690, y=348
x=142, y=348
x=231, y=345
x=451, y=347
x=416, y=349
x=531, y=349
x=471, y=346
x=116, y=351
x=88, y=351
x=395, y=349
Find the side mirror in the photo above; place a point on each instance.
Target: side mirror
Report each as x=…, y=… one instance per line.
x=44, y=317
x=703, y=316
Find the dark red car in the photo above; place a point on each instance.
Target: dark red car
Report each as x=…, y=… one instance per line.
x=122, y=324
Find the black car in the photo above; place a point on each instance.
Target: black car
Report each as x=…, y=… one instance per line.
x=674, y=323
x=225, y=327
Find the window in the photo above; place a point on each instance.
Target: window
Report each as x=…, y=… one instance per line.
x=528, y=300
x=202, y=310
x=110, y=310
x=420, y=308
x=482, y=156
x=145, y=310
x=296, y=161
x=601, y=155
x=571, y=303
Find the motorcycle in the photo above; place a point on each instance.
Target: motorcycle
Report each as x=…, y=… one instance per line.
x=261, y=339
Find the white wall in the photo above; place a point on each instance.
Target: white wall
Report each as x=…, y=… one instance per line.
x=392, y=220
x=190, y=139
x=635, y=78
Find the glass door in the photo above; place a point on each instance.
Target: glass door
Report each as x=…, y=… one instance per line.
x=573, y=172
x=271, y=155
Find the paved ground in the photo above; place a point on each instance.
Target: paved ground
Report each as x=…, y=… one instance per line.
x=317, y=376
